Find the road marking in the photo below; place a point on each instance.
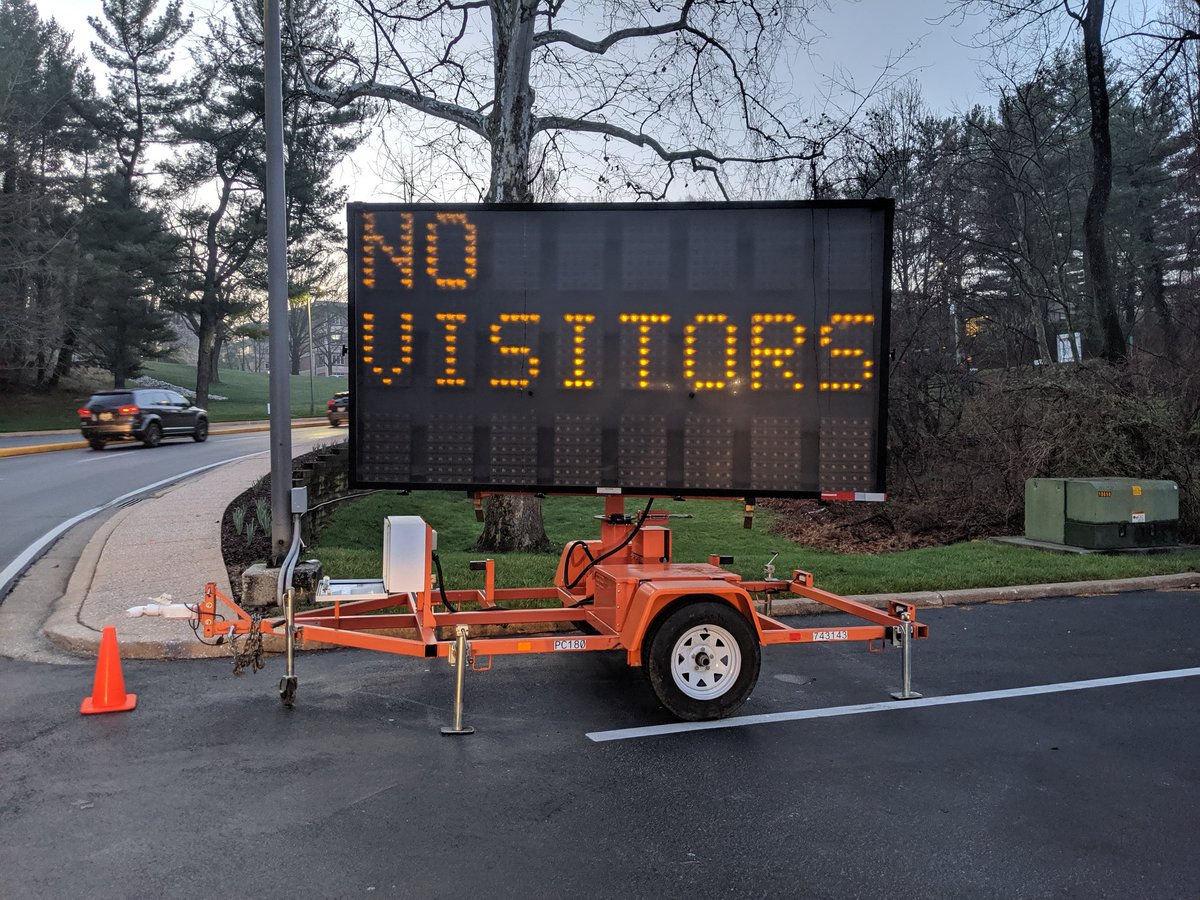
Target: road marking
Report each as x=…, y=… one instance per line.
x=30, y=554
x=624, y=734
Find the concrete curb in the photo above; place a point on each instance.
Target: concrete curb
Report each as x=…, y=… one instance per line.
x=78, y=445
x=1014, y=594
x=65, y=630
x=87, y=600
x=63, y=627
x=41, y=448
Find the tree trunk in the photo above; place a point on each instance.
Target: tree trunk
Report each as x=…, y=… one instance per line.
x=1038, y=314
x=510, y=127
x=208, y=338
x=1154, y=289
x=512, y=522
x=214, y=365
x=65, y=358
x=1107, y=321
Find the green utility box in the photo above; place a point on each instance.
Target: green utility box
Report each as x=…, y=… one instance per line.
x=1102, y=513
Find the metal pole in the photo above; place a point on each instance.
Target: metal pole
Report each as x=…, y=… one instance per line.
x=288, y=683
x=277, y=300
x=460, y=661
x=291, y=633
x=906, y=637
x=312, y=403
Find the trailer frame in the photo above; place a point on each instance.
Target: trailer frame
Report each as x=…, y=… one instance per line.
x=625, y=589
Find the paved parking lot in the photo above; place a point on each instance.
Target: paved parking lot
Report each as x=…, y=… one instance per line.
x=211, y=788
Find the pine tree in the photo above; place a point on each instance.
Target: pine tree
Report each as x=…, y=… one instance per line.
x=224, y=137
x=44, y=151
x=130, y=253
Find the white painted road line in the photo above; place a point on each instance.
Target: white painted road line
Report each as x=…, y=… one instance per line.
x=30, y=554
x=624, y=734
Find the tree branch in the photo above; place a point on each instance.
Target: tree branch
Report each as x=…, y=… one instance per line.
x=341, y=97
x=559, y=36
x=692, y=154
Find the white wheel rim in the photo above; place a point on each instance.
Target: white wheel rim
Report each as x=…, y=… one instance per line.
x=705, y=662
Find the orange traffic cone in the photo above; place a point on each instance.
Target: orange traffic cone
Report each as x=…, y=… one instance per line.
x=108, y=692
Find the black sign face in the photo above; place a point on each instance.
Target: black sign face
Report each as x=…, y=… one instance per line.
x=676, y=349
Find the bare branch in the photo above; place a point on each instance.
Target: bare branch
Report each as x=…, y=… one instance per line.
x=559, y=36
x=442, y=109
x=569, y=123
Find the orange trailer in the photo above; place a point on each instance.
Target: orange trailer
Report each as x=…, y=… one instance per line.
x=696, y=629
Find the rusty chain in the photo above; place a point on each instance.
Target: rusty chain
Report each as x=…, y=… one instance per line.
x=250, y=653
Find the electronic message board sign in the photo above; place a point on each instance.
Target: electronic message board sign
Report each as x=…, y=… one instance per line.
x=672, y=349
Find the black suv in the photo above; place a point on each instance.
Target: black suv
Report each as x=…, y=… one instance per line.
x=141, y=414
x=339, y=408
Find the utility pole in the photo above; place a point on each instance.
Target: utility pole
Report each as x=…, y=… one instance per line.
x=312, y=403
x=277, y=299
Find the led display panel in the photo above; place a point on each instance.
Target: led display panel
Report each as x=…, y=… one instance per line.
x=672, y=349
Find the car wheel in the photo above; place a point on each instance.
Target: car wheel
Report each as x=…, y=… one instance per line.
x=153, y=435
x=96, y=443
x=703, y=660
x=200, y=434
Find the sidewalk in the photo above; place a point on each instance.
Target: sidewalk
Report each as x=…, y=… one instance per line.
x=167, y=543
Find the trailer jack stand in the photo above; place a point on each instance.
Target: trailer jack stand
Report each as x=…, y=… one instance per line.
x=459, y=660
x=289, y=682
x=906, y=637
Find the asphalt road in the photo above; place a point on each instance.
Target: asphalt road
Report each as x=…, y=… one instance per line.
x=211, y=788
x=43, y=491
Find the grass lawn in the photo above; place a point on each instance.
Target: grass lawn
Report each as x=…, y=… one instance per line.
x=351, y=547
x=248, y=393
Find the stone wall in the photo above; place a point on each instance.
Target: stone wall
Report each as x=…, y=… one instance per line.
x=327, y=477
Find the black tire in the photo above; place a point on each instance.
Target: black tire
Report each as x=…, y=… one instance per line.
x=333, y=423
x=152, y=436
x=703, y=660
x=96, y=444
x=200, y=433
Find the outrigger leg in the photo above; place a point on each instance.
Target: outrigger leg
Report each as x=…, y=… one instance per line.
x=287, y=684
x=906, y=637
x=458, y=659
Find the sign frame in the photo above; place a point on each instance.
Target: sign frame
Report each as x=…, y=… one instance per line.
x=876, y=491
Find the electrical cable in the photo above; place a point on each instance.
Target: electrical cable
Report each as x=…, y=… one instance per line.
x=437, y=564
x=567, y=561
x=621, y=546
x=289, y=562
x=344, y=497
x=195, y=625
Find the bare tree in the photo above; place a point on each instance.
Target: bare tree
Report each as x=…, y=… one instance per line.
x=688, y=88
x=1046, y=21
x=690, y=82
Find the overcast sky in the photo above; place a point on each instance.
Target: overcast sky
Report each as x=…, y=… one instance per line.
x=858, y=37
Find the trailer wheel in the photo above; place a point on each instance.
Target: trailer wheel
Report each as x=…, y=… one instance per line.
x=703, y=660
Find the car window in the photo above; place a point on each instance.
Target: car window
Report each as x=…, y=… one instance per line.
x=120, y=399
x=177, y=399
